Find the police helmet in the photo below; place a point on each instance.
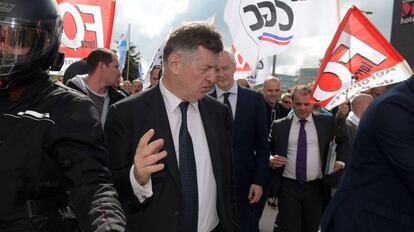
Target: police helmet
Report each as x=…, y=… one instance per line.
x=30, y=33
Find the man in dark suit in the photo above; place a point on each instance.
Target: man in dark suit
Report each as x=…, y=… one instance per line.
x=274, y=110
x=299, y=145
x=249, y=140
x=179, y=176
x=358, y=106
x=377, y=190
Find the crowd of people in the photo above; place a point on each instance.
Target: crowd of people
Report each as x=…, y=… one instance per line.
x=197, y=150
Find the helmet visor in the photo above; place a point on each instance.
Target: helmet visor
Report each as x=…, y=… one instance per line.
x=20, y=40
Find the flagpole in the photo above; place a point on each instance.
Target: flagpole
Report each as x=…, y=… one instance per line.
x=127, y=53
x=274, y=65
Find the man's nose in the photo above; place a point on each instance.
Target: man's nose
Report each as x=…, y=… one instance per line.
x=212, y=75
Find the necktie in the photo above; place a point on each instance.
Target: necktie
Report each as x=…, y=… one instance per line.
x=188, y=176
x=226, y=101
x=301, y=155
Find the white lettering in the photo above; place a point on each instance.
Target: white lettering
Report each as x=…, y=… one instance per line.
x=76, y=42
x=97, y=25
x=359, y=48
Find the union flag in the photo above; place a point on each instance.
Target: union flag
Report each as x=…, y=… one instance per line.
x=358, y=58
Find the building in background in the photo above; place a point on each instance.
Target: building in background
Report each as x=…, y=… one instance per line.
x=403, y=29
x=286, y=81
x=307, y=75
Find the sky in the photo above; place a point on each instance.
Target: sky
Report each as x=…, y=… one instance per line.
x=151, y=20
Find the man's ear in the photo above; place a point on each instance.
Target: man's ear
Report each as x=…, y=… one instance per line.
x=174, y=63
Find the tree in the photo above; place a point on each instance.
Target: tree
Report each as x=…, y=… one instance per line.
x=134, y=57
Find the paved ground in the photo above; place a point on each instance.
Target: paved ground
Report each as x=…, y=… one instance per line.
x=268, y=218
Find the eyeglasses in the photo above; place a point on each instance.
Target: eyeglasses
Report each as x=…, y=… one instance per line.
x=287, y=102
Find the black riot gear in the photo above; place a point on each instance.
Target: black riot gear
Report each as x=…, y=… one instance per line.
x=54, y=172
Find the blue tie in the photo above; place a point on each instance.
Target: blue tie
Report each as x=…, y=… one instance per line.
x=188, y=175
x=301, y=155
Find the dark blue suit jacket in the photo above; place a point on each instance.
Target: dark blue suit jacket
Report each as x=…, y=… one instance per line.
x=377, y=190
x=132, y=117
x=250, y=140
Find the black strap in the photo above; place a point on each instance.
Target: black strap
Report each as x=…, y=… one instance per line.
x=32, y=208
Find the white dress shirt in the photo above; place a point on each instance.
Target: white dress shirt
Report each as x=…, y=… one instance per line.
x=353, y=118
x=232, y=97
x=207, y=190
x=313, y=159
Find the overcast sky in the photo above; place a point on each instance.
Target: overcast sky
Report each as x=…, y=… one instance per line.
x=152, y=19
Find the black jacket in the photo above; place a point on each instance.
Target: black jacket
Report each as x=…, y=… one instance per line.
x=52, y=154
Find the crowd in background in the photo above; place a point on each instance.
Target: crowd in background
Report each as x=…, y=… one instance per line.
x=261, y=148
x=197, y=150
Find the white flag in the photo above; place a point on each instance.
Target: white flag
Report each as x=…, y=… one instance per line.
x=157, y=60
x=123, y=47
x=254, y=76
x=263, y=70
x=262, y=28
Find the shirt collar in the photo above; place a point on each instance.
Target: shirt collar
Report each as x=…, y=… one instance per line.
x=172, y=101
x=308, y=119
x=232, y=90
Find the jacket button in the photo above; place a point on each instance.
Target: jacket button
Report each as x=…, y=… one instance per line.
x=177, y=213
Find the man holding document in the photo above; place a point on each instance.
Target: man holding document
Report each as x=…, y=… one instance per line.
x=299, y=145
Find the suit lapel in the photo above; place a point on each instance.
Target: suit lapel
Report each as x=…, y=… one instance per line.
x=214, y=93
x=158, y=120
x=284, y=135
x=238, y=119
x=321, y=135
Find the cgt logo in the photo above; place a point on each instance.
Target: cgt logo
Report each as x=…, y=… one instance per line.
x=269, y=21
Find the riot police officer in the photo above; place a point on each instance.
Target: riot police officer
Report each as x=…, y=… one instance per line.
x=53, y=159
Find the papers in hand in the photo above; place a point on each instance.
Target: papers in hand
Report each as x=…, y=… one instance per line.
x=330, y=160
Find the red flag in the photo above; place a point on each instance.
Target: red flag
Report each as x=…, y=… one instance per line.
x=87, y=25
x=358, y=58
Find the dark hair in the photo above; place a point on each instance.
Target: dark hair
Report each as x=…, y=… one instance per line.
x=79, y=67
x=301, y=90
x=99, y=55
x=189, y=36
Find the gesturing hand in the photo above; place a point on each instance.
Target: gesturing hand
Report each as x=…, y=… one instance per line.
x=147, y=156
